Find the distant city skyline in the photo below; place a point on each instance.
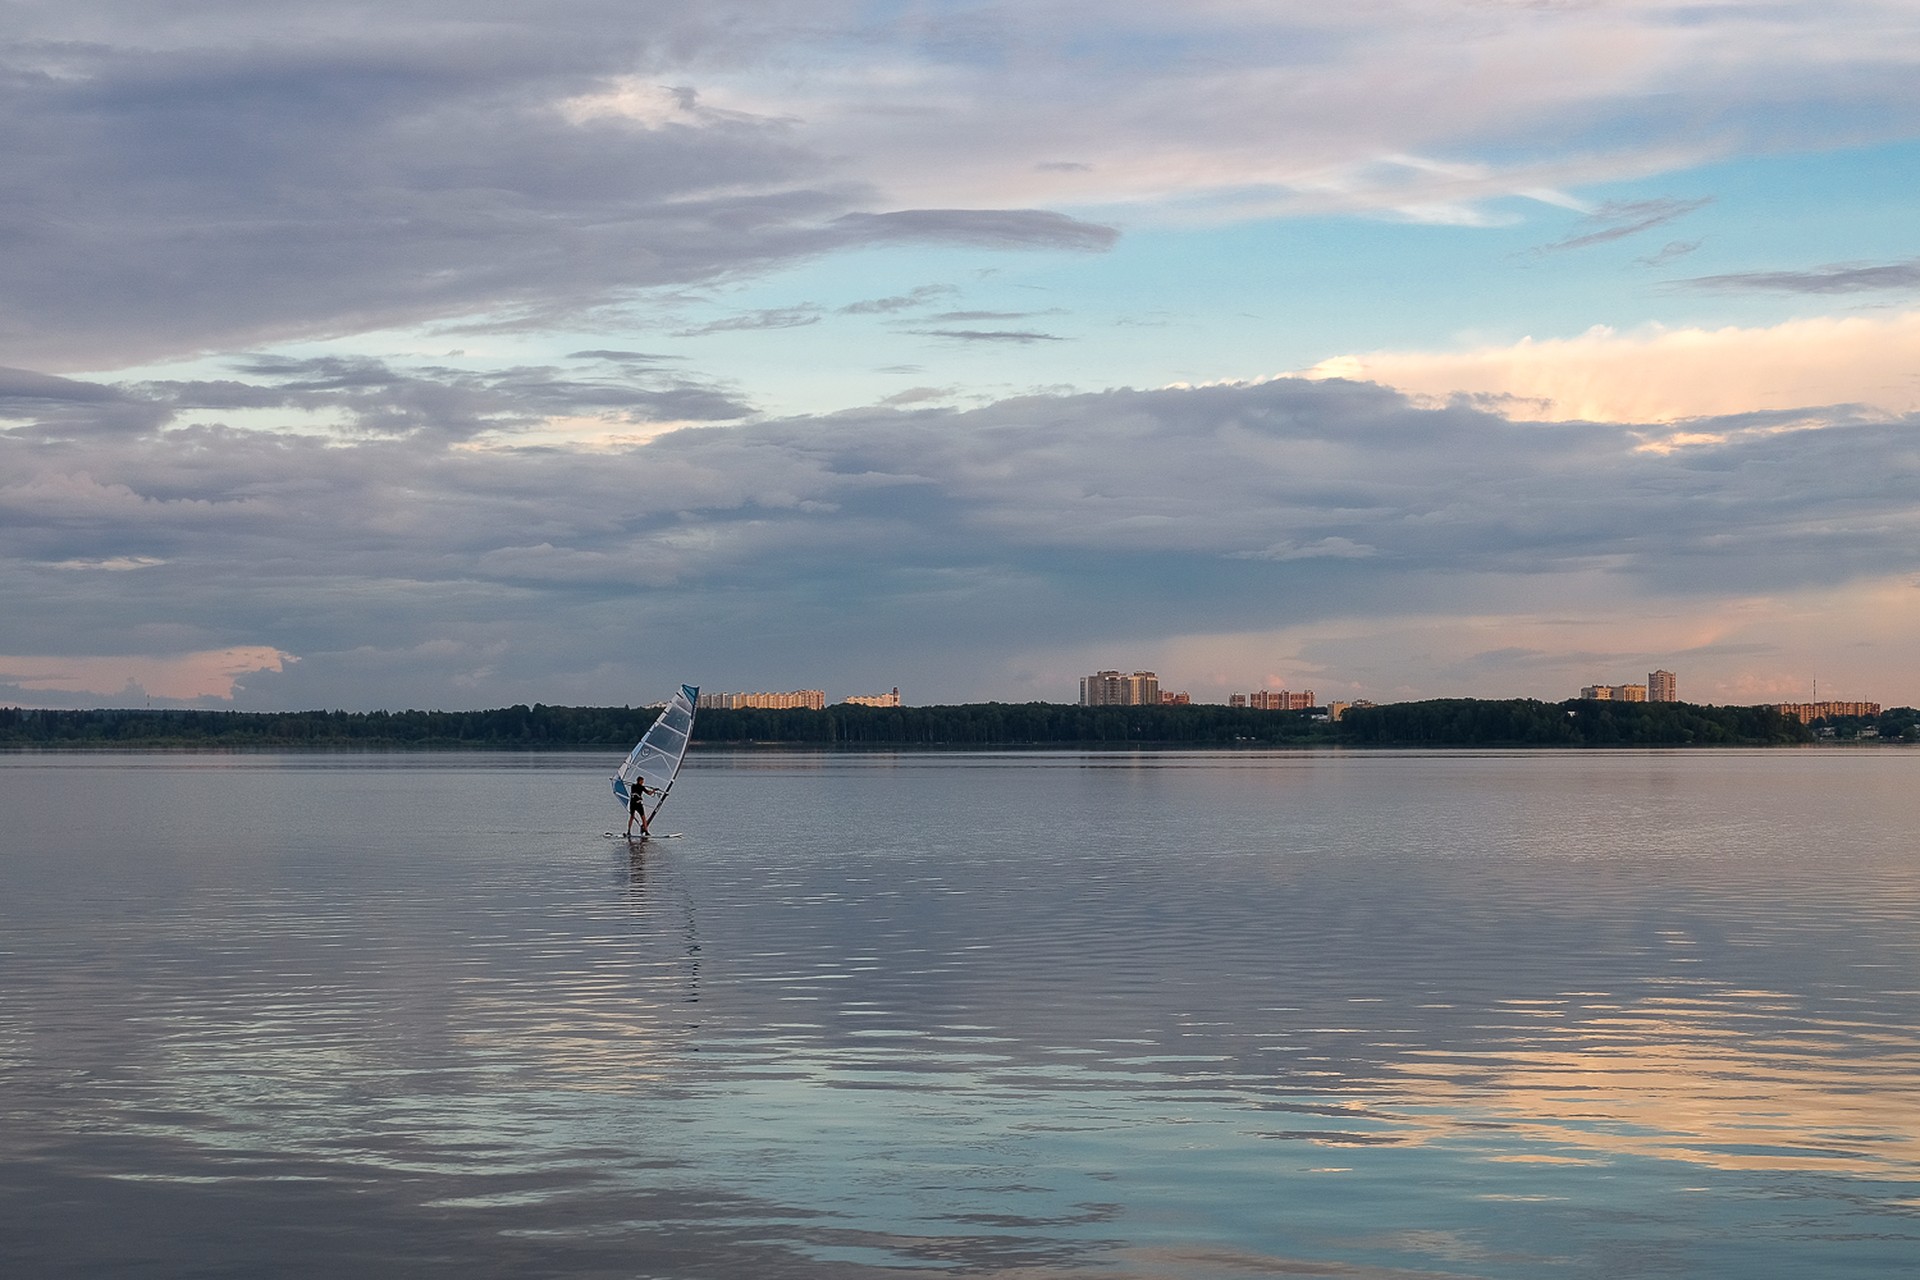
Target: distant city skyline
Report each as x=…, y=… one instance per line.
x=434, y=355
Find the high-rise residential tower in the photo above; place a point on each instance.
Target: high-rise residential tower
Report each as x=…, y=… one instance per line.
x=1662, y=686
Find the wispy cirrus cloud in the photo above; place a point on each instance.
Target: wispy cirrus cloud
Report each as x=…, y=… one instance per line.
x=975, y=317
x=1819, y=280
x=1617, y=221
x=625, y=359
x=1668, y=252
x=925, y=295
x=770, y=318
x=1021, y=337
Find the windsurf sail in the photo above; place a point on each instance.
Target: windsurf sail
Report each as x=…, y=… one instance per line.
x=656, y=757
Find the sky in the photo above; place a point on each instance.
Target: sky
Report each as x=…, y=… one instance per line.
x=455, y=355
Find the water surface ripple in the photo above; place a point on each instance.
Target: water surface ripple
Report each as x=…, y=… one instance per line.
x=1035, y=1015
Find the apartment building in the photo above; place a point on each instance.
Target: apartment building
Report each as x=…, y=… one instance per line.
x=1808, y=712
x=1112, y=689
x=1615, y=692
x=807, y=699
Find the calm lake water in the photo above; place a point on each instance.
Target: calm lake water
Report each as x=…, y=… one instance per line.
x=1037, y=1015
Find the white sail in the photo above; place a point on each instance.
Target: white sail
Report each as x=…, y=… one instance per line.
x=656, y=757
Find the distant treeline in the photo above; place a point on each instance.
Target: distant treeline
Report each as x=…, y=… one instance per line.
x=1020, y=724
x=1577, y=723
x=971, y=725
x=1442, y=722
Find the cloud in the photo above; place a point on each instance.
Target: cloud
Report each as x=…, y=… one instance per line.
x=1668, y=252
x=230, y=177
x=225, y=177
x=1659, y=375
x=1236, y=111
x=114, y=564
x=918, y=395
x=1737, y=648
x=174, y=678
x=165, y=199
x=208, y=182
x=640, y=359
x=24, y=386
x=772, y=318
x=1325, y=548
x=975, y=317
x=989, y=228
x=1821, y=280
x=923, y=296
x=1617, y=221
x=381, y=398
x=1022, y=337
x=40, y=404
x=926, y=542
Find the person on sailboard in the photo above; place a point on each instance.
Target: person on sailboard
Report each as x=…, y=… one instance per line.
x=636, y=804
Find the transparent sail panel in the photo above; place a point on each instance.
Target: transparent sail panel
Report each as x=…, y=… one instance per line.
x=657, y=756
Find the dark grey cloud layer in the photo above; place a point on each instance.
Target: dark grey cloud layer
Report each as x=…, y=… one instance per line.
x=183, y=178
x=405, y=566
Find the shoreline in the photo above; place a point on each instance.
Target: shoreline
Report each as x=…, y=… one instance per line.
x=912, y=748
x=1517, y=723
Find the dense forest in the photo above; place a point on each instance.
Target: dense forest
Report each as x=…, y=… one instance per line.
x=1524, y=722
x=973, y=725
x=1442, y=722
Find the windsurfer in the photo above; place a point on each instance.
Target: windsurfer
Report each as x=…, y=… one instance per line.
x=636, y=804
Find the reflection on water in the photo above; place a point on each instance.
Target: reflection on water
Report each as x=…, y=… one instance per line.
x=1607, y=1014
